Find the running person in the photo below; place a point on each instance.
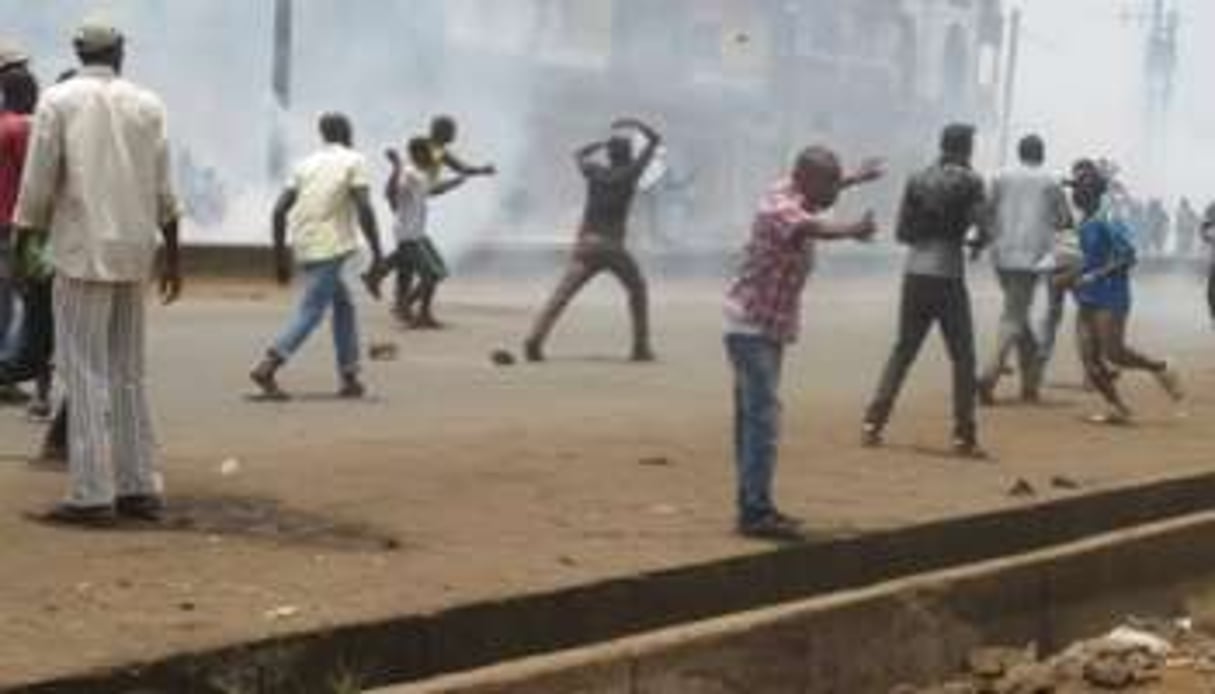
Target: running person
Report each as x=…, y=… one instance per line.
x=1102, y=289
x=600, y=245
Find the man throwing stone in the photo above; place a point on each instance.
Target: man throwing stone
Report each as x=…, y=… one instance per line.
x=600, y=246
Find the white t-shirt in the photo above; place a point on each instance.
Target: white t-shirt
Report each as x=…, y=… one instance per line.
x=323, y=222
x=413, y=189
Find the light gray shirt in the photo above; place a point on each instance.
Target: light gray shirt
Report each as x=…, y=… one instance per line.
x=1028, y=209
x=97, y=177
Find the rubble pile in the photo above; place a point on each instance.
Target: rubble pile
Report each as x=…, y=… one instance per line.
x=1158, y=657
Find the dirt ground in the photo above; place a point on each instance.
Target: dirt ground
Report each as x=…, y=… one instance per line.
x=459, y=481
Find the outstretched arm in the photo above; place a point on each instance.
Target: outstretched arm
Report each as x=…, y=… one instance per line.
x=862, y=229
x=458, y=165
x=870, y=170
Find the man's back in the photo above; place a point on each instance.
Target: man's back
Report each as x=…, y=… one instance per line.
x=940, y=206
x=1028, y=208
x=98, y=176
x=609, y=196
x=323, y=220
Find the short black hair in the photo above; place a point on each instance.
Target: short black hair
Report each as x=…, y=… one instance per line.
x=109, y=57
x=958, y=140
x=1032, y=149
x=420, y=153
x=443, y=128
x=20, y=90
x=336, y=128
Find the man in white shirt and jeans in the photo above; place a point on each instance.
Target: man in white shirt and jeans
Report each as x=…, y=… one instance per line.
x=97, y=177
x=1028, y=209
x=329, y=194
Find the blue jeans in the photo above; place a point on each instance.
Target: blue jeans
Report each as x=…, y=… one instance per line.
x=324, y=288
x=757, y=370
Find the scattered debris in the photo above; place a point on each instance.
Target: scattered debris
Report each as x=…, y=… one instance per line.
x=502, y=357
x=229, y=467
x=1132, y=657
x=383, y=351
x=1022, y=488
x=655, y=461
x=283, y=612
x=1064, y=482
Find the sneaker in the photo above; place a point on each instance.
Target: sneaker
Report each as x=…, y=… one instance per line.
x=969, y=449
x=39, y=410
x=644, y=355
x=143, y=507
x=1112, y=417
x=775, y=527
x=264, y=377
x=426, y=323
x=1171, y=383
x=871, y=435
x=352, y=388
x=77, y=516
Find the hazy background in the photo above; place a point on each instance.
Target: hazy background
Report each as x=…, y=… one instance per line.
x=1080, y=84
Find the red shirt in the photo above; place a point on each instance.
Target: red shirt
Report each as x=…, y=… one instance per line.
x=14, y=140
x=765, y=297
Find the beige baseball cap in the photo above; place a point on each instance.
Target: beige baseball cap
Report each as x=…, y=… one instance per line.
x=11, y=55
x=96, y=35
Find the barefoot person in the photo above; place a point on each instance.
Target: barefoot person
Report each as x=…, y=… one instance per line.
x=600, y=245
x=327, y=197
x=1102, y=289
x=1028, y=210
x=940, y=207
x=98, y=179
x=763, y=311
x=407, y=192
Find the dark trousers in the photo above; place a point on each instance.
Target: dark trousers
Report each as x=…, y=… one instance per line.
x=589, y=260
x=32, y=359
x=927, y=301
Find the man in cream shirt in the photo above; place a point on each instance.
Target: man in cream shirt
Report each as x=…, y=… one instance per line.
x=327, y=197
x=97, y=180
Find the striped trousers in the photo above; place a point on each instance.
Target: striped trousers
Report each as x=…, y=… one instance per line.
x=100, y=335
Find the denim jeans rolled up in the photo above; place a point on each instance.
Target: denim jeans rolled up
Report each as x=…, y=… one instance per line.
x=325, y=288
x=757, y=370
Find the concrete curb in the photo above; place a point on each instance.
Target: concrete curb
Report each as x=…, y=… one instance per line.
x=412, y=648
x=915, y=630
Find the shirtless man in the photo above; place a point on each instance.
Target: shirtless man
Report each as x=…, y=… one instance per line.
x=600, y=247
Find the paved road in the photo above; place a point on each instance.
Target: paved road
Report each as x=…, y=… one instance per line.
x=459, y=481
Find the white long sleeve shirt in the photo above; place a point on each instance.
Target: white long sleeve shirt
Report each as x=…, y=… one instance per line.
x=97, y=177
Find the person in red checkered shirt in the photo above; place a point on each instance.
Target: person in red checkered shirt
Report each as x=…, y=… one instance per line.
x=762, y=310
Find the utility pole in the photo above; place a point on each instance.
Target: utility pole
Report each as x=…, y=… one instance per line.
x=1010, y=84
x=281, y=86
x=1159, y=73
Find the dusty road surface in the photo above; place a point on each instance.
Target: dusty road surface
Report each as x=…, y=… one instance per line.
x=459, y=481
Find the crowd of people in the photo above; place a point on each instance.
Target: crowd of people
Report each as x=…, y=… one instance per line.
x=90, y=219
